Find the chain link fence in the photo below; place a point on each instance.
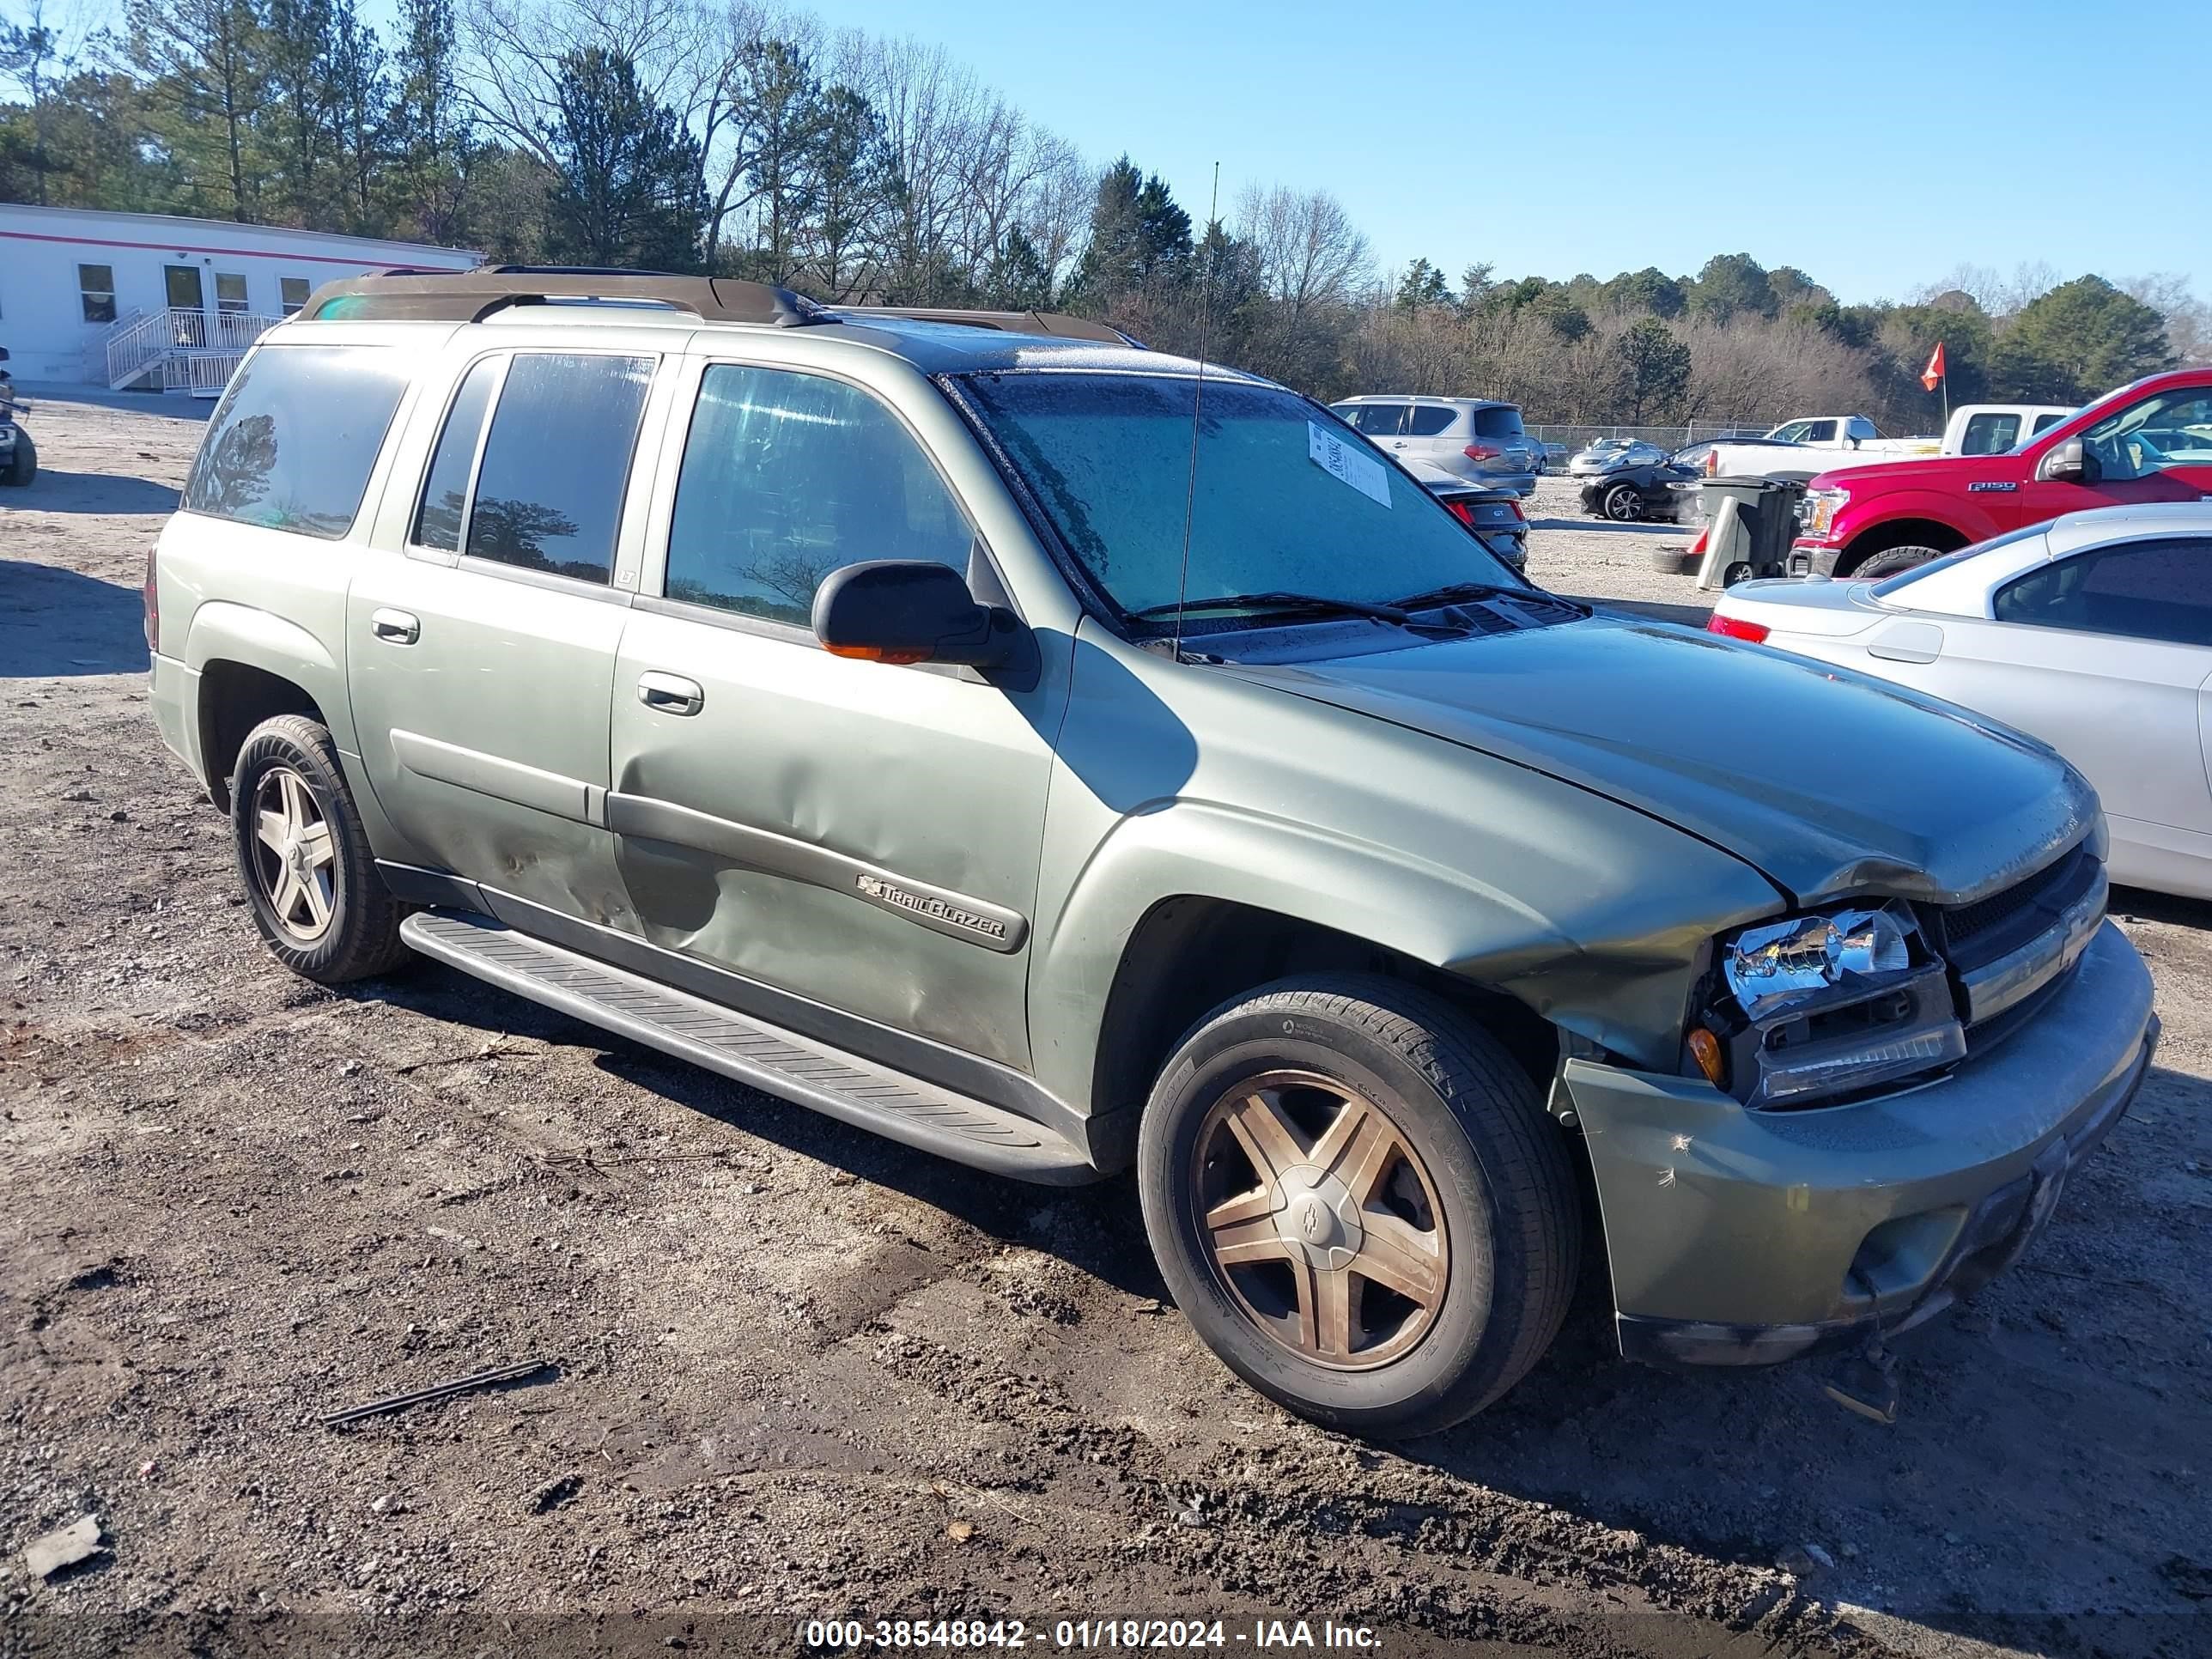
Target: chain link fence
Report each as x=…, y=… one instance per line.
x=1666, y=437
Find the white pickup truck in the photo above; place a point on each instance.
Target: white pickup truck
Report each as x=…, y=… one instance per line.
x=1799, y=449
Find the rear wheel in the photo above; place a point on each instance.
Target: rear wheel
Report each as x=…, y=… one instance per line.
x=304, y=858
x=23, y=465
x=1891, y=561
x=1357, y=1200
x=1623, y=504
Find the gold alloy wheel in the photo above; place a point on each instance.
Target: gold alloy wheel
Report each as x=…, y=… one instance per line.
x=1320, y=1220
x=294, y=856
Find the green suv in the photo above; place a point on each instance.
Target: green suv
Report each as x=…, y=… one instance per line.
x=1059, y=758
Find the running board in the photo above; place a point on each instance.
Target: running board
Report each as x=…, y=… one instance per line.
x=748, y=1051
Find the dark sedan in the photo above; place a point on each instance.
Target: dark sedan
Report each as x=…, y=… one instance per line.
x=1627, y=494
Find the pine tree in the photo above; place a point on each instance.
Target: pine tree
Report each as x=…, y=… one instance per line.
x=629, y=191
x=360, y=113
x=1139, y=237
x=207, y=60
x=296, y=119
x=428, y=125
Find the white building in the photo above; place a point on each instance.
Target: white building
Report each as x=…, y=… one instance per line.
x=144, y=299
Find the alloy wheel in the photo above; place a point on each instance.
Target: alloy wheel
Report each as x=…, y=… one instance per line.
x=1621, y=505
x=1320, y=1220
x=295, y=857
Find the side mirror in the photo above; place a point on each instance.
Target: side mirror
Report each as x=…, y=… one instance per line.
x=905, y=611
x=2066, y=463
x=3, y=354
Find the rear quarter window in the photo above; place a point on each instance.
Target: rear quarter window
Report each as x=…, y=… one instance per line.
x=1497, y=422
x=292, y=444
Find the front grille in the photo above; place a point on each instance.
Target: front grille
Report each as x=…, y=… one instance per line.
x=1970, y=930
x=1973, y=937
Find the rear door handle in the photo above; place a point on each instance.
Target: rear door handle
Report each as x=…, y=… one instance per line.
x=670, y=694
x=395, y=626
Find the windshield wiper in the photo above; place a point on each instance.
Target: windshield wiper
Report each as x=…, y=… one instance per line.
x=1455, y=592
x=1278, y=600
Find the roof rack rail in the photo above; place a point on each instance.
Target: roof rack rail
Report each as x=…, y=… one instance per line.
x=1056, y=323
x=469, y=296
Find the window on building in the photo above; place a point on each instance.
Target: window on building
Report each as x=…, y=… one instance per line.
x=229, y=291
x=550, y=487
x=292, y=443
x=95, y=288
x=789, y=477
x=295, y=291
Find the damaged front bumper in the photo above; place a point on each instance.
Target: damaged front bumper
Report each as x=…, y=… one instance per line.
x=1739, y=1237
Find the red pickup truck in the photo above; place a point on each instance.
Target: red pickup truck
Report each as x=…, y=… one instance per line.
x=2151, y=441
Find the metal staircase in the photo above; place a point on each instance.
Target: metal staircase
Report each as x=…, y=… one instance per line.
x=174, y=350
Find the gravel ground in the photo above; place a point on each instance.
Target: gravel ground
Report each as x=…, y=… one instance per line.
x=798, y=1372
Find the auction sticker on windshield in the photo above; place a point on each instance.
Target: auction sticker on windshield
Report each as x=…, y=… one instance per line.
x=1344, y=464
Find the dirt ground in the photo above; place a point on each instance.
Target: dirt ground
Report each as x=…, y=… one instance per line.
x=796, y=1373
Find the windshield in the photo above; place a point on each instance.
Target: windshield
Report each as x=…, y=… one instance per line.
x=1287, y=498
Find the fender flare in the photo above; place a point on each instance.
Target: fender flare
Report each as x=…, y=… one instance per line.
x=222, y=631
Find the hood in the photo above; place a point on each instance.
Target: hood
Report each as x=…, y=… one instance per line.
x=1827, y=782
x=1949, y=474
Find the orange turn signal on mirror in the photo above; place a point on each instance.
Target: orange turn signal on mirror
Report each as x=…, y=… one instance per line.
x=1705, y=1050
x=875, y=653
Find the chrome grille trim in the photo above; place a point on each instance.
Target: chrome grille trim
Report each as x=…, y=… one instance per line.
x=1994, y=987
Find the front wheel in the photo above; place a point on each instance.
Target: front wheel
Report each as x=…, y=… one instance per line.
x=1356, y=1198
x=1893, y=562
x=304, y=858
x=1623, y=505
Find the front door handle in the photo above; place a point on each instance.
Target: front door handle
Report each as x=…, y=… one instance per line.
x=395, y=626
x=670, y=694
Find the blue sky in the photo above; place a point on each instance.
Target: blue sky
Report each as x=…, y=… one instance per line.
x=1876, y=145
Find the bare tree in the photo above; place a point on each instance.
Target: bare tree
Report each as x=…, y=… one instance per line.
x=1310, y=252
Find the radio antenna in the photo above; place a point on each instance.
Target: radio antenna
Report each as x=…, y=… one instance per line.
x=1197, y=408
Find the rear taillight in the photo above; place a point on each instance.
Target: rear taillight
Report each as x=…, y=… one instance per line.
x=1481, y=452
x=1463, y=512
x=1519, y=512
x=153, y=602
x=1735, y=628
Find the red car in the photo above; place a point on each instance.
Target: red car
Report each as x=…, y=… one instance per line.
x=2151, y=441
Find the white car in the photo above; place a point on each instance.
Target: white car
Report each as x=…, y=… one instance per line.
x=2092, y=632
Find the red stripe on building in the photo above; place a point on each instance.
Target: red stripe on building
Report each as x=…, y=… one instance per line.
x=224, y=253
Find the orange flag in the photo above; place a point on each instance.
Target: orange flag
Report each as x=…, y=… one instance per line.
x=1934, y=372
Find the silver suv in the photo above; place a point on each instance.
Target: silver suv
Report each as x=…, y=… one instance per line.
x=1480, y=439
x=883, y=713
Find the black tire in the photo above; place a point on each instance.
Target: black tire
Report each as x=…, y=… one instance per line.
x=1891, y=561
x=358, y=935
x=23, y=465
x=1504, y=1195
x=1741, y=571
x=1623, y=504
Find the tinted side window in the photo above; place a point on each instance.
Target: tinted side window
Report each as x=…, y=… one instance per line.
x=1990, y=435
x=292, y=445
x=1378, y=420
x=789, y=477
x=2160, y=589
x=445, y=490
x=550, y=488
x=2044, y=423
x=1497, y=422
x=1429, y=419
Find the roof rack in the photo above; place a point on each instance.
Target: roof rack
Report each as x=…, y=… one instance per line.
x=469, y=296
x=407, y=294
x=1056, y=323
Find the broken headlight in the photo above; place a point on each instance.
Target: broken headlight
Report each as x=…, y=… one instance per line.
x=1830, y=1003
